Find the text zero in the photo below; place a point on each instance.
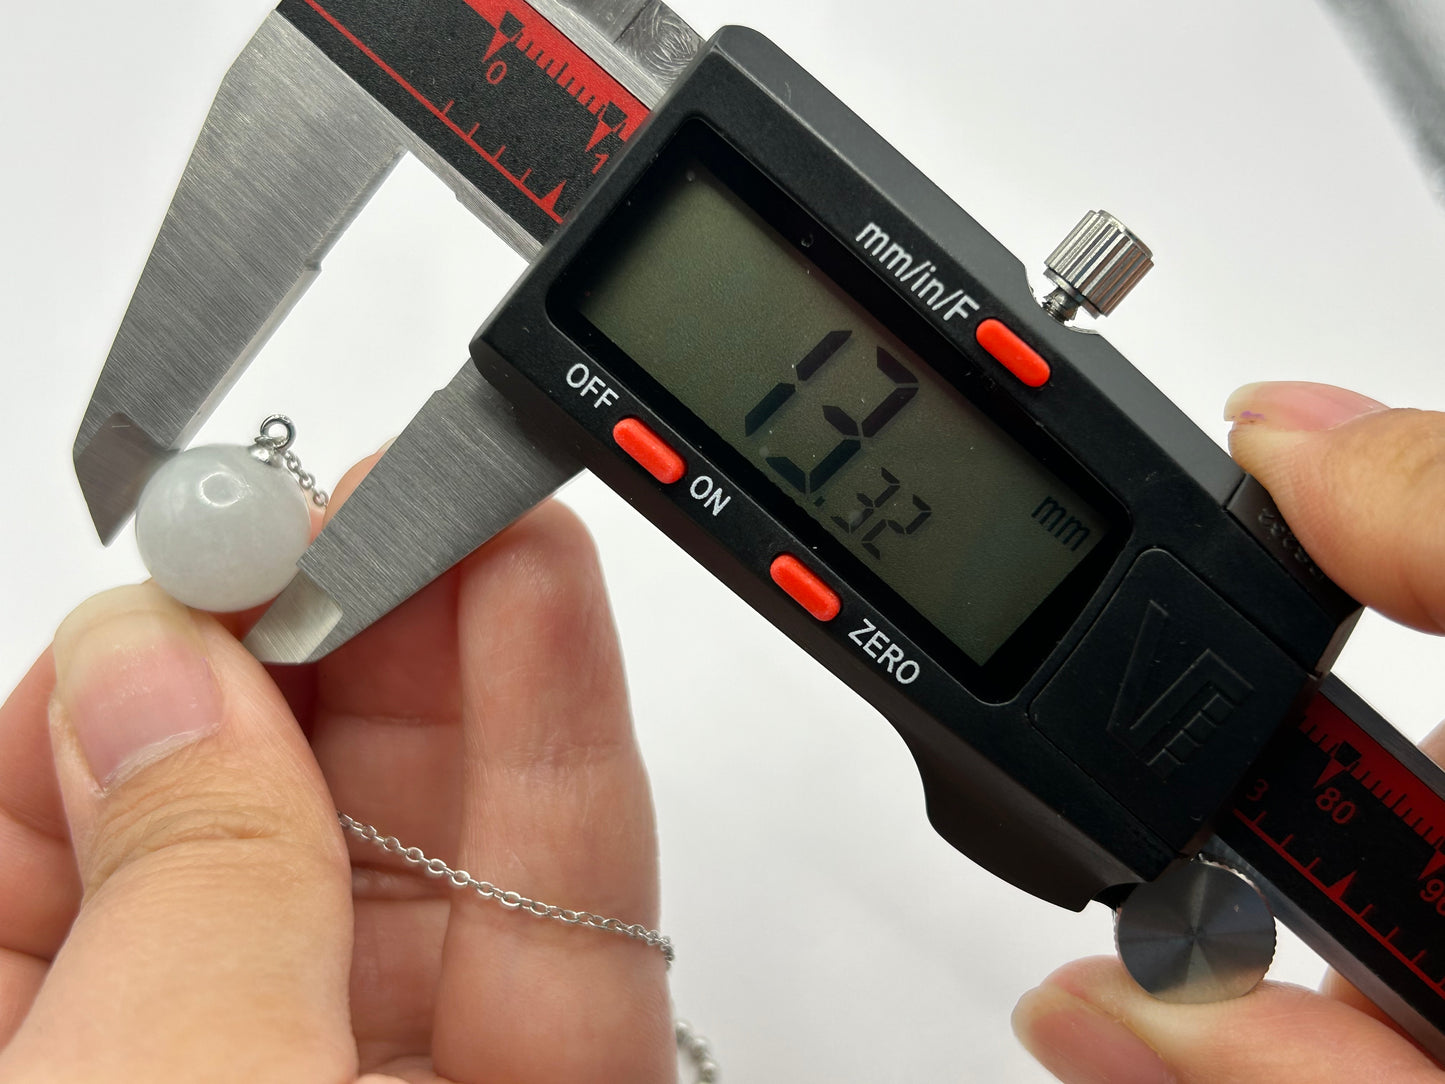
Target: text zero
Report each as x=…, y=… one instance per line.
x=879, y=646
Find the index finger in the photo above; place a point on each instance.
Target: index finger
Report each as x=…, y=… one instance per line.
x=1362, y=486
x=556, y=807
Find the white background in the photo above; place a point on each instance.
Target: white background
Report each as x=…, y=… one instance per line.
x=824, y=932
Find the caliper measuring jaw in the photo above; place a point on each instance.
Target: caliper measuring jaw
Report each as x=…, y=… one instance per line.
x=290, y=152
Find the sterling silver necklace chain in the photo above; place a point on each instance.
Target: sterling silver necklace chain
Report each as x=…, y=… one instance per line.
x=512, y=901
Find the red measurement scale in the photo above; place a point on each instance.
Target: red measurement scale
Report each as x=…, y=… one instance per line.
x=1345, y=819
x=515, y=105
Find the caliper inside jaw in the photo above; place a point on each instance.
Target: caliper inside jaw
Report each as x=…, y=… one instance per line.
x=322, y=104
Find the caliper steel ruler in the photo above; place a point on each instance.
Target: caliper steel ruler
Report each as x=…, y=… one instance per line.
x=1130, y=670
x=447, y=70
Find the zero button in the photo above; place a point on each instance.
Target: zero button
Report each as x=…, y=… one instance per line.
x=805, y=588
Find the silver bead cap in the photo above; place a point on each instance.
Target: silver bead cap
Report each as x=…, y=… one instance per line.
x=1099, y=263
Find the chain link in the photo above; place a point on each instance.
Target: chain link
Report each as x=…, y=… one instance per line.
x=270, y=445
x=694, y=1046
x=512, y=901
x=305, y=479
x=698, y=1051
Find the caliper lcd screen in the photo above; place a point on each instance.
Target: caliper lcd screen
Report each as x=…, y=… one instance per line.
x=878, y=448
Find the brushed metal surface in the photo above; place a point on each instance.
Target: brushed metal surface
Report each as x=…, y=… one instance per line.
x=1198, y=934
x=291, y=151
x=461, y=471
x=643, y=44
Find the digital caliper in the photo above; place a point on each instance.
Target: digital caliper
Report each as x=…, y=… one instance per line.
x=792, y=352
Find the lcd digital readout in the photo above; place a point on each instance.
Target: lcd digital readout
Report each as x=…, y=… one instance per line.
x=774, y=357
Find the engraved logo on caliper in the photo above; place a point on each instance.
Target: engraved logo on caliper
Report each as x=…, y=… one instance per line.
x=1168, y=728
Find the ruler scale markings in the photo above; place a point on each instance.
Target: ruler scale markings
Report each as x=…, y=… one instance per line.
x=499, y=81
x=1364, y=822
x=440, y=114
x=1387, y=940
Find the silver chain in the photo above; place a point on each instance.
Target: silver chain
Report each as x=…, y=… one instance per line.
x=271, y=446
x=512, y=901
x=694, y=1046
x=698, y=1051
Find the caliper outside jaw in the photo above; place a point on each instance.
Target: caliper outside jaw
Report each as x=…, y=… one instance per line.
x=291, y=151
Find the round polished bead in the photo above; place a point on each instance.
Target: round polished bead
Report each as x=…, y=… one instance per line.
x=220, y=530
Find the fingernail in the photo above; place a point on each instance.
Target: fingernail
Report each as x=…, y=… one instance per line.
x=133, y=681
x=1297, y=405
x=1081, y=1045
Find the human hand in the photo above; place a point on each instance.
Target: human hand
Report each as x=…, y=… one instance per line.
x=1363, y=488
x=178, y=903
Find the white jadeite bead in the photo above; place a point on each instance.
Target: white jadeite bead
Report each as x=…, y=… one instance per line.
x=220, y=530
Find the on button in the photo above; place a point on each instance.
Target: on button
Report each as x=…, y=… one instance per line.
x=650, y=450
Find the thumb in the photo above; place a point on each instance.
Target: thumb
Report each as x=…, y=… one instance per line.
x=214, y=936
x=1090, y=1023
x=1362, y=486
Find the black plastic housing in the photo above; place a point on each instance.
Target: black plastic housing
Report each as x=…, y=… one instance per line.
x=1146, y=697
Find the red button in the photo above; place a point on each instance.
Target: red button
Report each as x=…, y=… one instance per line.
x=649, y=449
x=806, y=589
x=1015, y=355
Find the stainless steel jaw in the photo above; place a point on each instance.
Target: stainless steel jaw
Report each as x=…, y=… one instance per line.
x=291, y=151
